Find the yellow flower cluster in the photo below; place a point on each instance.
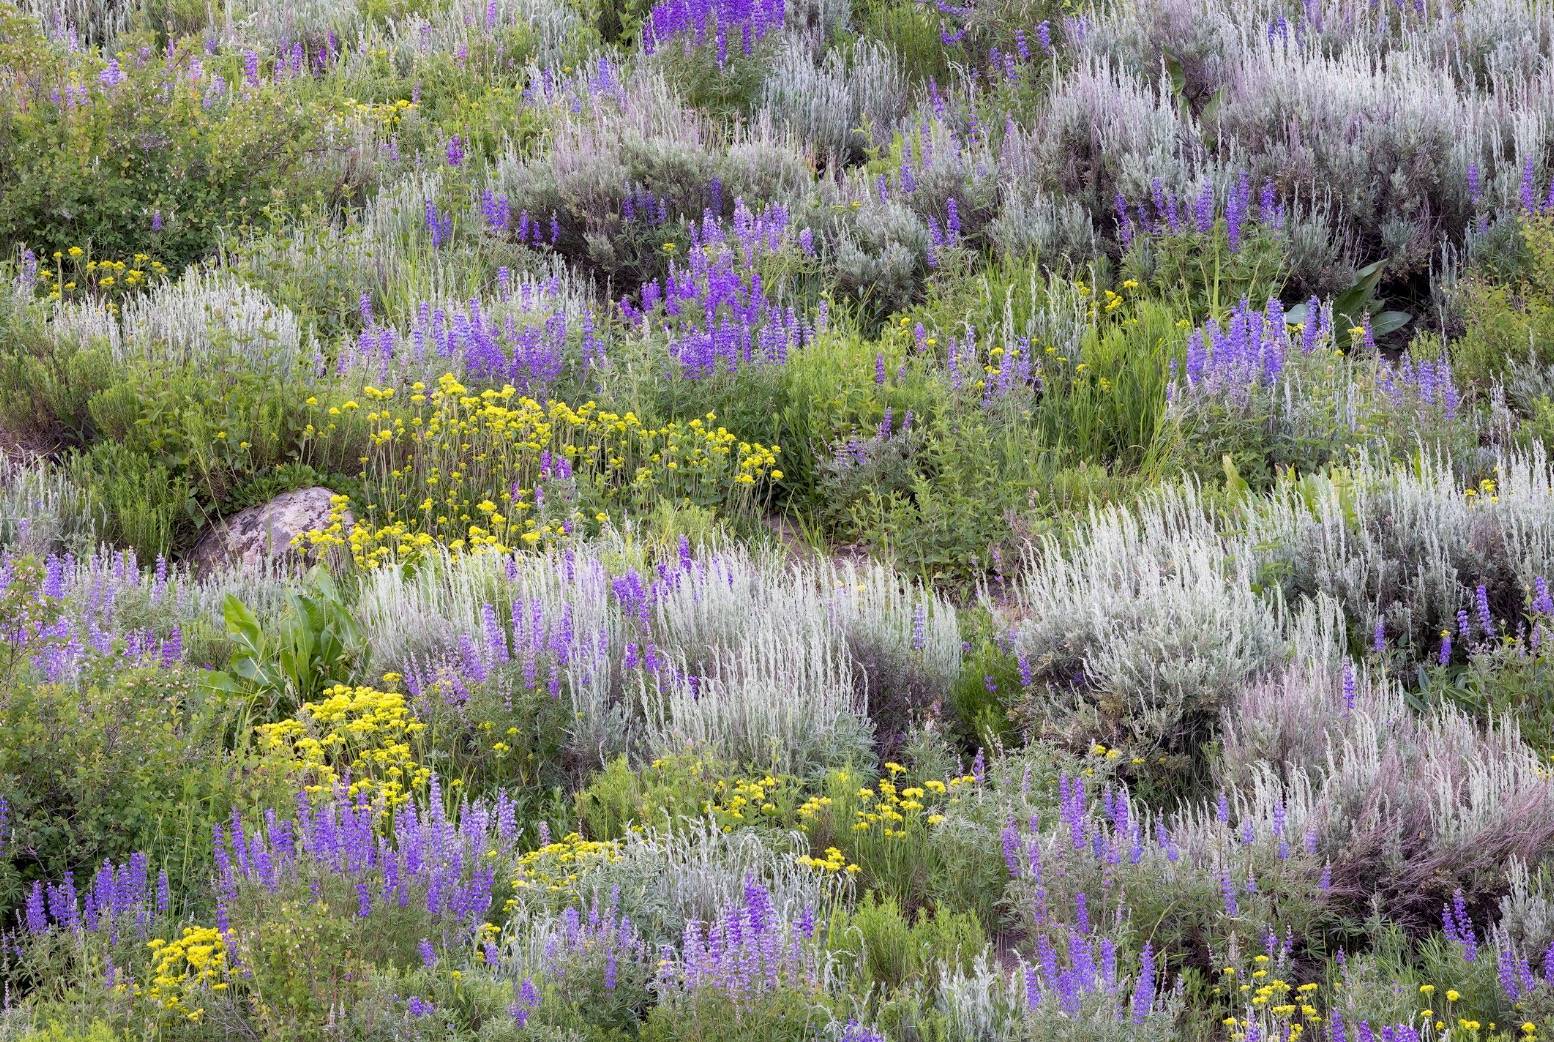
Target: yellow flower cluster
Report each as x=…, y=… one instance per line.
x=894, y=811
x=767, y=798
x=195, y=962
x=388, y=114
x=75, y=274
x=361, y=732
x=834, y=861
x=557, y=866
x=1486, y=492
x=1109, y=303
x=1292, y=1006
x=466, y=470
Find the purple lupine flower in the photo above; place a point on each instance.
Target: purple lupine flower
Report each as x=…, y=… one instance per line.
x=1236, y=208
x=1227, y=890
x=1458, y=927
x=1144, y=990
x=1349, y=687
x=1010, y=837
x=1203, y=210
x=1505, y=973
x=1542, y=601
x=35, y=915
x=112, y=75
x=853, y=1031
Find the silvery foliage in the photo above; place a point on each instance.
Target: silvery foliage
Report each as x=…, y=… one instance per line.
x=988, y=1002
x=1031, y=222
x=77, y=322
x=460, y=26
x=840, y=105
x=1374, y=113
x=42, y=510
x=267, y=26
x=1152, y=612
x=1105, y=129
x=204, y=313
x=1407, y=548
x=880, y=252
x=784, y=654
x=1527, y=909
x=1405, y=806
x=1400, y=804
x=667, y=879
x=74, y=23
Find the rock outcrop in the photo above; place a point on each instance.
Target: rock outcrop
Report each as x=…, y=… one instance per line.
x=263, y=533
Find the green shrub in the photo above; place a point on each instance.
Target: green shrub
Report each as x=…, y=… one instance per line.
x=890, y=950
x=1201, y=276
x=109, y=766
x=142, y=504
x=1508, y=317
x=211, y=425
x=784, y=1015
x=47, y=383
x=103, y=173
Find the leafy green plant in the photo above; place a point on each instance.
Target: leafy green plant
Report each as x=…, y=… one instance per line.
x=316, y=643
x=1360, y=302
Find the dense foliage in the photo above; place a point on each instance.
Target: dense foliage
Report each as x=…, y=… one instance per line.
x=841, y=520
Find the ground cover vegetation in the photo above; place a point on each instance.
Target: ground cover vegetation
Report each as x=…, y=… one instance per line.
x=839, y=520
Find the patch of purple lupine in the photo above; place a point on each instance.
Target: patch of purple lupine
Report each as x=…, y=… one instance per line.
x=1013, y=370
x=1103, y=830
x=536, y=231
x=439, y=225
x=748, y=950
x=120, y=899
x=1165, y=213
x=522, y=645
x=1534, y=202
x=1518, y=977
x=599, y=943
x=693, y=23
x=715, y=306
x=1247, y=351
x=531, y=345
x=94, y=595
x=853, y=1031
x=1479, y=630
x=1073, y=964
x=1425, y=384
x=588, y=85
x=420, y=855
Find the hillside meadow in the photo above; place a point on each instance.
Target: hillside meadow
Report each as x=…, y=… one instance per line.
x=776, y=520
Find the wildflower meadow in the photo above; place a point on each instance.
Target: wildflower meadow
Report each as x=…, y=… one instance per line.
x=776, y=521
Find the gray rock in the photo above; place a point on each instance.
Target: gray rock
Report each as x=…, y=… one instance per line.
x=261, y=534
